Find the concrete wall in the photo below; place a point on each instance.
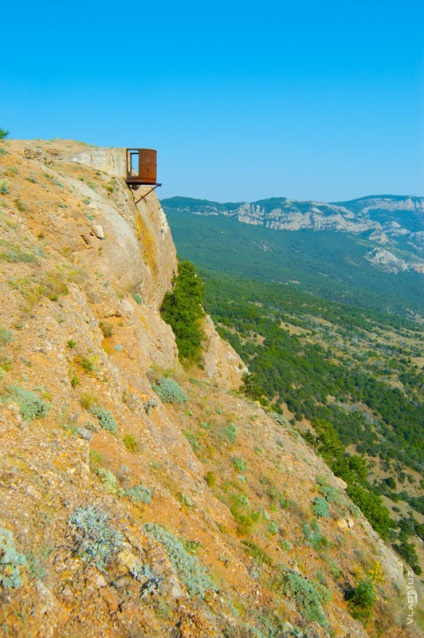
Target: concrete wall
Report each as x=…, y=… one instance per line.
x=110, y=160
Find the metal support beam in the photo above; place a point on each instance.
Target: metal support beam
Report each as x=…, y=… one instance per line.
x=148, y=193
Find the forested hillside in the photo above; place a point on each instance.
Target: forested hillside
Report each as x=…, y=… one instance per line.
x=359, y=372
x=329, y=342
x=333, y=265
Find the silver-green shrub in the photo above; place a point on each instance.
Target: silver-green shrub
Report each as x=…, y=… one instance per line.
x=306, y=595
x=109, y=480
x=187, y=566
x=96, y=541
x=105, y=418
x=169, y=391
x=30, y=406
x=320, y=507
x=139, y=494
x=11, y=562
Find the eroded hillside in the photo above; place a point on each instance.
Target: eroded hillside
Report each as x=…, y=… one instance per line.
x=140, y=498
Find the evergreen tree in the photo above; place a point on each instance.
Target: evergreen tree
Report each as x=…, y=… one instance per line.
x=183, y=310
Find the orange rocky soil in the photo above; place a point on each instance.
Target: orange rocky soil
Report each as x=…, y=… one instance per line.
x=124, y=514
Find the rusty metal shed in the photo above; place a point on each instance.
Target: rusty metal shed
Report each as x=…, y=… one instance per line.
x=141, y=166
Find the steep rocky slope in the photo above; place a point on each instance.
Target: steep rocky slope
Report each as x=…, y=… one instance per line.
x=132, y=506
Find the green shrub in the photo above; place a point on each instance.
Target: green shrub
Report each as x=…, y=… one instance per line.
x=245, y=517
x=193, y=440
x=184, y=499
x=105, y=418
x=361, y=599
x=4, y=186
x=257, y=553
x=96, y=541
x=3, y=134
x=5, y=335
x=320, y=507
x=169, y=391
x=86, y=363
x=230, y=433
x=130, y=442
x=188, y=568
x=238, y=463
x=272, y=527
x=20, y=205
x=109, y=481
x=312, y=534
x=138, y=300
x=330, y=493
x=95, y=458
x=183, y=310
x=30, y=406
x=11, y=562
x=192, y=547
x=210, y=478
x=354, y=509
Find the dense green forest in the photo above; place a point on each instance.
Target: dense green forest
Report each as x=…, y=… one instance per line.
x=328, y=264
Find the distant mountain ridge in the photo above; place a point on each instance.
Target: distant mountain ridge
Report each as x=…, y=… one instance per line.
x=393, y=224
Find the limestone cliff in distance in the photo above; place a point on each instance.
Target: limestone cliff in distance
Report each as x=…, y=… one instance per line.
x=140, y=498
x=391, y=226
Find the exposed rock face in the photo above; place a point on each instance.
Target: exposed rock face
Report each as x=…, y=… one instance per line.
x=387, y=260
x=221, y=363
x=132, y=515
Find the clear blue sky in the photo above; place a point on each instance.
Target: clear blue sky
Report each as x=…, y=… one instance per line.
x=313, y=99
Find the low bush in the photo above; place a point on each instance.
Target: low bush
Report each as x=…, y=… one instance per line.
x=4, y=186
x=193, y=440
x=109, y=480
x=169, y=391
x=230, y=433
x=320, y=507
x=130, y=443
x=303, y=592
x=210, y=478
x=257, y=553
x=96, y=541
x=312, y=534
x=238, y=463
x=105, y=418
x=188, y=568
x=54, y=284
x=11, y=562
x=330, y=493
x=30, y=406
x=361, y=599
x=139, y=494
x=5, y=335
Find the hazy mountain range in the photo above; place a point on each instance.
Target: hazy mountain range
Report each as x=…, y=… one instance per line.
x=392, y=225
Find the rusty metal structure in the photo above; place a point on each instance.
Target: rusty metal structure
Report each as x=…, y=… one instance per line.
x=141, y=167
